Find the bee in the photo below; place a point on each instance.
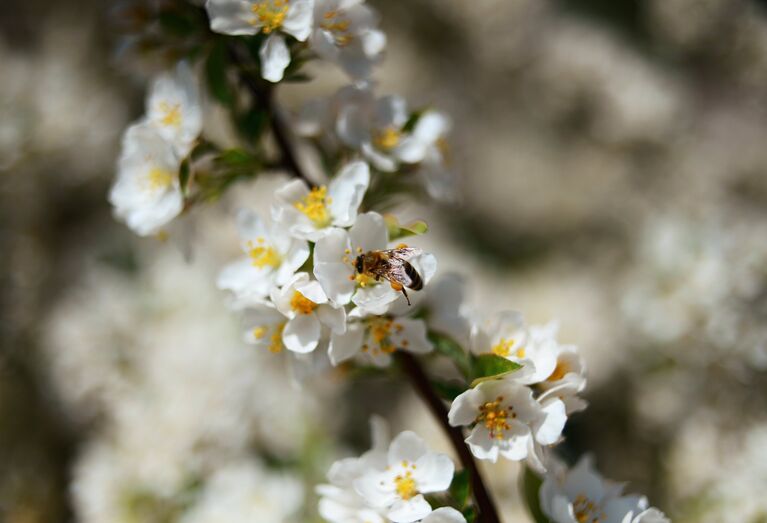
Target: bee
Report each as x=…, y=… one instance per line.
x=392, y=265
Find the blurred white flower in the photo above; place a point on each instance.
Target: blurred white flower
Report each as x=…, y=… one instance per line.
x=270, y=17
x=373, y=339
x=312, y=214
x=581, y=494
x=345, y=33
x=146, y=194
x=339, y=501
x=174, y=107
x=334, y=265
x=444, y=515
x=246, y=492
x=412, y=471
x=271, y=258
x=505, y=420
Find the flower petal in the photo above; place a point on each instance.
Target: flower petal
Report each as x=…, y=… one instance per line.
x=275, y=57
x=302, y=333
x=346, y=345
x=407, y=446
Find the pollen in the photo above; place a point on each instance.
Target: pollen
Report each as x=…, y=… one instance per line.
x=275, y=340
x=405, y=486
x=363, y=280
x=301, y=304
x=338, y=27
x=171, y=114
x=270, y=14
x=504, y=348
x=388, y=138
x=586, y=511
x=259, y=332
x=158, y=179
x=315, y=206
x=495, y=417
x=380, y=332
x=263, y=255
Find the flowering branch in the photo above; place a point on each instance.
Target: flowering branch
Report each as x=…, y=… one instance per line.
x=263, y=93
x=420, y=381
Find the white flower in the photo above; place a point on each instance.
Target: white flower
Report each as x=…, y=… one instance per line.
x=567, y=380
x=174, y=108
x=412, y=471
x=294, y=318
x=373, y=339
x=146, y=194
x=339, y=502
x=345, y=32
x=271, y=258
x=334, y=268
x=505, y=334
x=312, y=214
x=270, y=17
x=445, y=305
x=246, y=492
x=444, y=515
x=581, y=494
x=377, y=128
x=507, y=421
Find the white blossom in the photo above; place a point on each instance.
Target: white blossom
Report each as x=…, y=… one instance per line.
x=506, y=420
x=174, y=107
x=334, y=257
x=313, y=213
x=246, y=492
x=270, y=17
x=146, y=194
x=339, y=501
x=444, y=515
x=345, y=33
x=581, y=494
x=373, y=339
x=412, y=471
x=271, y=258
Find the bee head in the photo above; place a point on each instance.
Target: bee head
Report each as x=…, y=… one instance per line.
x=359, y=264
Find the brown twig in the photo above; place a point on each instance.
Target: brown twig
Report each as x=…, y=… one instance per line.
x=263, y=94
x=420, y=381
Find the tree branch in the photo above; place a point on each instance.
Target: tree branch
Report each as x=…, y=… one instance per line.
x=263, y=93
x=420, y=381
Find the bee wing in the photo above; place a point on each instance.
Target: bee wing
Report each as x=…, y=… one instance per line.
x=404, y=253
x=396, y=271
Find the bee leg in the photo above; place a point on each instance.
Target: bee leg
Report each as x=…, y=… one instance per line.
x=404, y=293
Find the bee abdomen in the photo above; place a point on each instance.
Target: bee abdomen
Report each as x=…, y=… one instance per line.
x=416, y=283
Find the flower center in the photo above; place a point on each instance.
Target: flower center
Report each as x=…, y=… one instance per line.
x=380, y=332
x=301, y=304
x=387, y=138
x=338, y=27
x=275, y=340
x=315, y=206
x=363, y=280
x=560, y=371
x=504, y=348
x=405, y=485
x=262, y=255
x=158, y=179
x=270, y=14
x=171, y=114
x=586, y=511
x=495, y=417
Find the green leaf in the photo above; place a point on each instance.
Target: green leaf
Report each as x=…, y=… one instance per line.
x=216, y=73
x=183, y=176
x=412, y=121
x=448, y=347
x=252, y=123
x=397, y=230
x=470, y=513
x=489, y=367
x=530, y=485
x=460, y=488
x=448, y=390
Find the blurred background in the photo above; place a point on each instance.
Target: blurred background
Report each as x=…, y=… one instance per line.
x=613, y=161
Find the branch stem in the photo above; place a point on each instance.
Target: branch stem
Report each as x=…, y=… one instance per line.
x=420, y=382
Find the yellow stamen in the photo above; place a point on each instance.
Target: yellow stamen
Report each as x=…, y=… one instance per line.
x=259, y=332
x=338, y=27
x=405, y=485
x=363, y=280
x=171, y=114
x=388, y=138
x=275, y=340
x=504, y=348
x=301, y=304
x=262, y=255
x=158, y=179
x=495, y=417
x=381, y=330
x=315, y=206
x=586, y=511
x=560, y=371
x=270, y=14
